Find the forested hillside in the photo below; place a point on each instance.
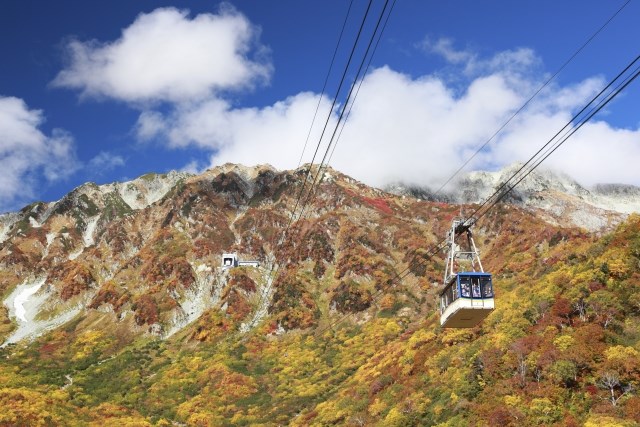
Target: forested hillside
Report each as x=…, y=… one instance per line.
x=135, y=323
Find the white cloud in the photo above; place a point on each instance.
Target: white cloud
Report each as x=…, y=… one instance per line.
x=104, y=162
x=27, y=155
x=444, y=47
x=193, y=167
x=274, y=134
x=149, y=125
x=418, y=130
x=167, y=56
x=402, y=128
x=520, y=61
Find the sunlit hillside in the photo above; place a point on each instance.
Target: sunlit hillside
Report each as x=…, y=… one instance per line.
x=116, y=310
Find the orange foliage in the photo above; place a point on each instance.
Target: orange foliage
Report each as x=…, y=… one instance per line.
x=146, y=310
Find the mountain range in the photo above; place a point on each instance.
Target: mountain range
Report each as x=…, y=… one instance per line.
x=555, y=196
x=117, y=311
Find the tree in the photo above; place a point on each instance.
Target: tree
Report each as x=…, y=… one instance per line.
x=610, y=380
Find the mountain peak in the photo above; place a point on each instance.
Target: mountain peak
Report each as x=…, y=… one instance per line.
x=115, y=304
x=554, y=195
x=246, y=172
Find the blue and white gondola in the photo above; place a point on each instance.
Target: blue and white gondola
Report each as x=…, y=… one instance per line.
x=467, y=297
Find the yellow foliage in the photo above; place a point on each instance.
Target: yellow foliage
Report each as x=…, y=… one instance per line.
x=88, y=343
x=420, y=337
x=544, y=411
x=387, y=301
x=377, y=407
x=122, y=422
x=512, y=400
x=395, y=418
x=563, y=342
x=328, y=414
x=621, y=353
x=615, y=258
x=623, y=358
x=453, y=336
x=21, y=406
x=580, y=278
x=604, y=421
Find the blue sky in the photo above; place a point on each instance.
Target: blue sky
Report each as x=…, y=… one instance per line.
x=107, y=91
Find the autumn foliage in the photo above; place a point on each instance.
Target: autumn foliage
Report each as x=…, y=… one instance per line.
x=346, y=327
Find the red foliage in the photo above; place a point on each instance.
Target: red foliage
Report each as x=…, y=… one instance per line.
x=500, y=417
x=359, y=262
x=73, y=277
x=242, y=281
x=146, y=310
x=632, y=408
x=15, y=257
x=311, y=241
x=562, y=310
x=350, y=296
x=570, y=421
x=109, y=295
x=237, y=306
x=292, y=302
x=591, y=389
x=379, y=204
x=176, y=270
x=595, y=286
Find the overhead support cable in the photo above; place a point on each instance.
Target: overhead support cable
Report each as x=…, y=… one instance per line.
x=597, y=103
x=333, y=104
x=324, y=86
x=577, y=118
x=323, y=165
x=275, y=265
x=535, y=94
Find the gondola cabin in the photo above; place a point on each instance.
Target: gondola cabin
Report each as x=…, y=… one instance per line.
x=466, y=300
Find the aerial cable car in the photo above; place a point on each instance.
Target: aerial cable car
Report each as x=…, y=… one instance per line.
x=467, y=296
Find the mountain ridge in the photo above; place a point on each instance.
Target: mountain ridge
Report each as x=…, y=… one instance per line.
x=555, y=195
x=113, y=315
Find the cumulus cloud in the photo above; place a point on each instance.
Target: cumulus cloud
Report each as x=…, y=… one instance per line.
x=104, y=162
x=417, y=129
x=274, y=134
x=27, y=155
x=519, y=61
x=167, y=56
x=149, y=125
x=444, y=47
x=194, y=167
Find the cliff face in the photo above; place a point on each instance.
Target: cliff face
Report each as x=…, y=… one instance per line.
x=554, y=196
x=115, y=308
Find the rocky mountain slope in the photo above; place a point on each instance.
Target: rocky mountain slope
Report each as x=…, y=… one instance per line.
x=115, y=310
x=556, y=197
